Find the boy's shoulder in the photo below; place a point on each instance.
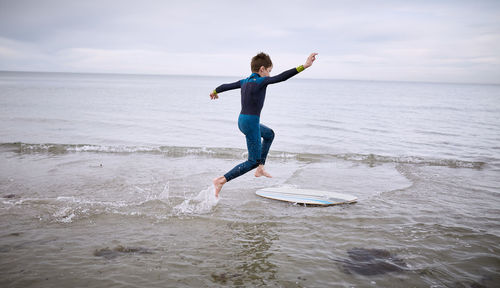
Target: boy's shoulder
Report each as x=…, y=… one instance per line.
x=254, y=78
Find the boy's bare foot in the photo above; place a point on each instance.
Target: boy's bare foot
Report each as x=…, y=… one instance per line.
x=261, y=172
x=218, y=183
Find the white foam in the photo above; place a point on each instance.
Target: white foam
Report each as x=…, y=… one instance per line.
x=82, y=201
x=202, y=203
x=64, y=215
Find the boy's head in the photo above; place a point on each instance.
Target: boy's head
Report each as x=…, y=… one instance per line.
x=261, y=60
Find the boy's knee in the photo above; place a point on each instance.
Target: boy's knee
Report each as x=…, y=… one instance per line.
x=270, y=135
x=254, y=163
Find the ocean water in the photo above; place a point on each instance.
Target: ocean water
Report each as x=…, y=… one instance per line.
x=105, y=181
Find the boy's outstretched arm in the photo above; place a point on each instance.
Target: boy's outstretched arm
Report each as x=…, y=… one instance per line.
x=292, y=72
x=224, y=87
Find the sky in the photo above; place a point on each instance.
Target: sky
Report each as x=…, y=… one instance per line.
x=432, y=41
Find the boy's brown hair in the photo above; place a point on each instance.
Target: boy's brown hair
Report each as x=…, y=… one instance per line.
x=259, y=60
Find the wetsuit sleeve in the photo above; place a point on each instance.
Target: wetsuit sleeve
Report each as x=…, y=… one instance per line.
x=283, y=75
x=228, y=86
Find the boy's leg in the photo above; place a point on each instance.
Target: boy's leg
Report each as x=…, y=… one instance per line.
x=254, y=146
x=268, y=135
x=249, y=125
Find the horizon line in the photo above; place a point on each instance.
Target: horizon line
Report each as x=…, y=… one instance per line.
x=233, y=76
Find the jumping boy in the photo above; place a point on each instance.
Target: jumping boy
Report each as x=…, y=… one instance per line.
x=253, y=93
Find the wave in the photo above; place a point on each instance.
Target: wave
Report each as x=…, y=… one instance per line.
x=52, y=148
x=231, y=153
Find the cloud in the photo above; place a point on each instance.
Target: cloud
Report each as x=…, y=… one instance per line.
x=15, y=55
x=454, y=41
x=145, y=61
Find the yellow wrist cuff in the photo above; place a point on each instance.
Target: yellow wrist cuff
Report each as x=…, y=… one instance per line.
x=300, y=68
x=215, y=92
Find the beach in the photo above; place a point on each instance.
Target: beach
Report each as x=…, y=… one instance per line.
x=105, y=181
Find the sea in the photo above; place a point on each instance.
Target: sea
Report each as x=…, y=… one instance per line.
x=106, y=181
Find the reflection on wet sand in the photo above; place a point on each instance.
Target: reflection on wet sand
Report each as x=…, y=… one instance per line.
x=255, y=267
x=120, y=251
x=371, y=262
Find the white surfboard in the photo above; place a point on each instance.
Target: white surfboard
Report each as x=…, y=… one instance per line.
x=306, y=196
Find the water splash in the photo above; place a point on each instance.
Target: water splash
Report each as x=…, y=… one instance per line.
x=152, y=193
x=202, y=203
x=155, y=203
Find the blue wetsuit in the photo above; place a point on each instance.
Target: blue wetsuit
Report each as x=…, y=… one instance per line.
x=253, y=94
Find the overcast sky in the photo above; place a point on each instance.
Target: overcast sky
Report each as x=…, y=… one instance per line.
x=437, y=41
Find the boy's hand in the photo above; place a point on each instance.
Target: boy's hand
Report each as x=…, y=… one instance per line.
x=310, y=60
x=214, y=96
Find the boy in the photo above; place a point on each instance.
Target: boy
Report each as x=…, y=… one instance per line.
x=253, y=93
